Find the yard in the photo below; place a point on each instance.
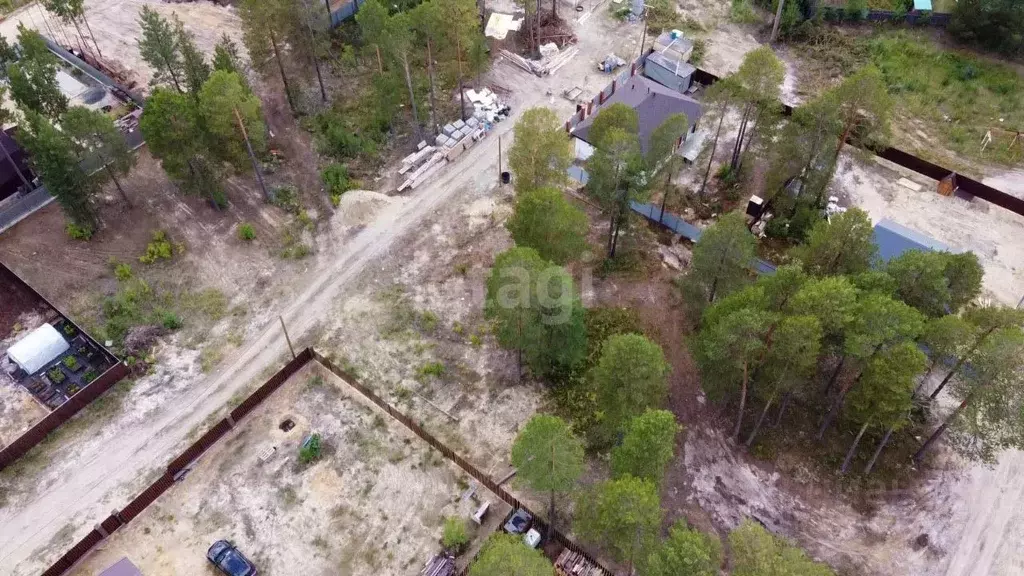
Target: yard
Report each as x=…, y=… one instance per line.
x=373, y=503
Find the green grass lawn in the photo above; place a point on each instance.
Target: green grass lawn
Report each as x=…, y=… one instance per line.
x=958, y=96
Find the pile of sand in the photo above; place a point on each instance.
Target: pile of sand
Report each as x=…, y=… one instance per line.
x=359, y=208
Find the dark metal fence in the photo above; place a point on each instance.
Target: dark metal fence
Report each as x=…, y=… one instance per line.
x=183, y=461
x=220, y=429
x=37, y=433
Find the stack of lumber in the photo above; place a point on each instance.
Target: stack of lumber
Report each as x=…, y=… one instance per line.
x=545, y=66
x=441, y=565
x=571, y=563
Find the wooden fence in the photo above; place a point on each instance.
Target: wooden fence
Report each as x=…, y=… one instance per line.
x=184, y=461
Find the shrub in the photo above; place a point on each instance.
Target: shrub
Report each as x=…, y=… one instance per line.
x=336, y=182
x=159, y=249
x=77, y=232
x=287, y=199
x=310, y=450
x=123, y=271
x=246, y=232
x=170, y=321
x=777, y=227
x=435, y=369
x=71, y=362
x=455, y=536
x=700, y=49
x=56, y=375
x=742, y=13
x=89, y=376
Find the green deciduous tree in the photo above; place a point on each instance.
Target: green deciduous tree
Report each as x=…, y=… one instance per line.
x=507, y=555
x=864, y=108
x=53, y=156
x=728, y=352
x=843, y=246
x=662, y=147
x=618, y=116
x=878, y=323
x=885, y=394
x=986, y=319
x=174, y=134
x=647, y=446
x=758, y=85
x=622, y=516
x=96, y=138
x=541, y=153
x=545, y=221
x=630, y=377
x=221, y=97
x=790, y=361
x=756, y=552
x=32, y=80
x=536, y=311
x=616, y=178
x=721, y=260
x=686, y=552
x=548, y=458
x=990, y=416
x=159, y=47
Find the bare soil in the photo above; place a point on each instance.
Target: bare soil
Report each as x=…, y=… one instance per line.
x=373, y=504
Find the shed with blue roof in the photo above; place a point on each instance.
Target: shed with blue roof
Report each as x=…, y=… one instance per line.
x=894, y=239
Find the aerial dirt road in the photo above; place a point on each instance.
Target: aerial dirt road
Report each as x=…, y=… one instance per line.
x=97, y=484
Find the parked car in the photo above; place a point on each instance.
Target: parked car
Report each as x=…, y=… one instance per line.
x=519, y=523
x=229, y=559
x=532, y=538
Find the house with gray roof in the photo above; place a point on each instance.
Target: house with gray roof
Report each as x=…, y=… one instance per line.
x=653, y=104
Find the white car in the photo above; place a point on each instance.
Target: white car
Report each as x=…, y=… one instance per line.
x=532, y=538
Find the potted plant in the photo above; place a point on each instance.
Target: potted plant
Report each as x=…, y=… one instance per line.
x=72, y=363
x=56, y=375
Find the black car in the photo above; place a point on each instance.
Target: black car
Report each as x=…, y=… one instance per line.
x=229, y=560
x=519, y=522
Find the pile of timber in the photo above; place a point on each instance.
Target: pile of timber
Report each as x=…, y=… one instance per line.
x=421, y=164
x=441, y=565
x=544, y=66
x=571, y=563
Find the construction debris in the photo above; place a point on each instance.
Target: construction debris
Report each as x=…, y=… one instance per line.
x=499, y=25
x=610, y=63
x=441, y=565
x=571, y=563
x=545, y=66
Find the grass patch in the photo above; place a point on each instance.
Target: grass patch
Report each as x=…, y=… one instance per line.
x=210, y=356
x=741, y=12
x=246, y=232
x=403, y=318
x=956, y=96
x=435, y=369
x=159, y=248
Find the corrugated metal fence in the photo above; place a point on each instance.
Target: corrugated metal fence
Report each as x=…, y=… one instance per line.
x=206, y=441
x=162, y=484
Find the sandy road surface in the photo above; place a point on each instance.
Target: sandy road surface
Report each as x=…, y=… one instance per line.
x=127, y=457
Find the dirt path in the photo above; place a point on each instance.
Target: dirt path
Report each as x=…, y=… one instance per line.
x=107, y=472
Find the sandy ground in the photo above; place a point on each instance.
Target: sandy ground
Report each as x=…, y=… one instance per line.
x=19, y=410
x=115, y=28
x=989, y=231
x=374, y=504
x=107, y=467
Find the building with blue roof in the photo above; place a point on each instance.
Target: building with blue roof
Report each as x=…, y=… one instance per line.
x=894, y=239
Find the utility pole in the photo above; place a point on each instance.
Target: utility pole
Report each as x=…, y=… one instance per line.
x=287, y=339
x=252, y=156
x=499, y=159
x=433, y=102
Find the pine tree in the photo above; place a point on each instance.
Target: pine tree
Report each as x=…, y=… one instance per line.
x=160, y=48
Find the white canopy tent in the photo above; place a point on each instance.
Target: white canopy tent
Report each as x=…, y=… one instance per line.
x=38, y=348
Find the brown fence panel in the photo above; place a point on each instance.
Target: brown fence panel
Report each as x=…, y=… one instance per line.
x=37, y=433
x=272, y=385
x=68, y=560
x=147, y=497
x=458, y=460
x=202, y=445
